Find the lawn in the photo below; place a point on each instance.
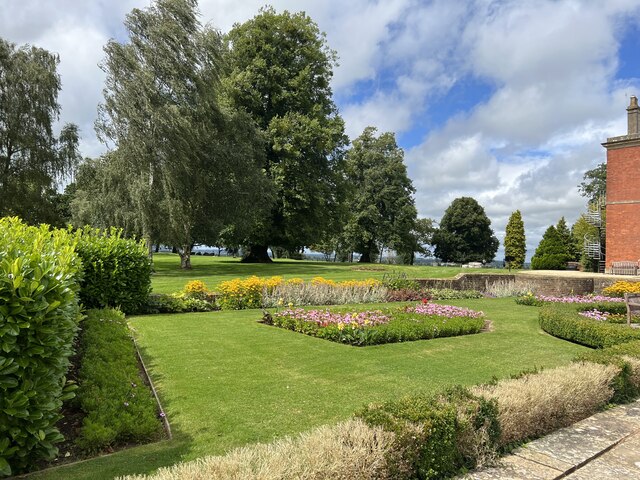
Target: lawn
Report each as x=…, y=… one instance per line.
x=226, y=380
x=169, y=277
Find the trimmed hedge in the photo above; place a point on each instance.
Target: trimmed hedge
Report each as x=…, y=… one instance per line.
x=39, y=316
x=627, y=357
x=563, y=321
x=437, y=436
x=120, y=407
x=116, y=270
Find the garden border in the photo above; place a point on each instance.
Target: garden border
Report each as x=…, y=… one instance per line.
x=165, y=424
x=165, y=420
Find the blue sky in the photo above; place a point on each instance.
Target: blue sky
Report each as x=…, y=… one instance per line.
x=505, y=101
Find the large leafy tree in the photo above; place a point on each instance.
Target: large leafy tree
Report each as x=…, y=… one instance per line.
x=465, y=233
x=190, y=161
x=280, y=74
x=33, y=160
x=552, y=253
x=594, y=184
x=380, y=197
x=515, y=244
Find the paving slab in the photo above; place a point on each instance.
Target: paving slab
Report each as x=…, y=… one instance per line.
x=605, y=446
x=621, y=462
x=515, y=468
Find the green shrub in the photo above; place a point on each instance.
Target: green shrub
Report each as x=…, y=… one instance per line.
x=119, y=406
x=436, y=435
x=451, y=294
x=556, y=261
x=563, y=321
x=400, y=281
x=39, y=313
x=627, y=357
x=178, y=303
x=529, y=300
x=116, y=270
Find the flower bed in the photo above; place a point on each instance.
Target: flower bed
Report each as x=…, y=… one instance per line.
x=578, y=299
x=373, y=327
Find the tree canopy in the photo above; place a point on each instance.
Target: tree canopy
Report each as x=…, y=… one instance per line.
x=552, y=253
x=594, y=186
x=465, y=233
x=380, y=203
x=192, y=163
x=32, y=159
x=280, y=72
x=515, y=244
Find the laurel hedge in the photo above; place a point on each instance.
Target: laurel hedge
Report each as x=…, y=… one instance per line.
x=116, y=270
x=39, y=315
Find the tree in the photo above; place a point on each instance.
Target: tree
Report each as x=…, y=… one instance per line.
x=551, y=253
x=568, y=240
x=32, y=159
x=191, y=161
x=465, y=233
x=102, y=196
x=281, y=70
x=380, y=197
x=419, y=239
x=594, y=186
x=515, y=245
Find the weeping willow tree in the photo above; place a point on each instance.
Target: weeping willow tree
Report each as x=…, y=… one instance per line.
x=192, y=163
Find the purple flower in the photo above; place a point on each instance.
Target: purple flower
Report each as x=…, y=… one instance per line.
x=578, y=299
x=162, y=415
x=447, y=311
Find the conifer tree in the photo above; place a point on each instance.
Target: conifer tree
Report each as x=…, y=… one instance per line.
x=567, y=239
x=551, y=253
x=515, y=246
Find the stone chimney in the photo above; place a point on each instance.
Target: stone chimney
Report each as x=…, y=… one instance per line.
x=633, y=115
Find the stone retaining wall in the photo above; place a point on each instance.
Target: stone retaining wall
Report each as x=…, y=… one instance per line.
x=540, y=284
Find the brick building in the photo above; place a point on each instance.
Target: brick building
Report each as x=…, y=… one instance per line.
x=623, y=191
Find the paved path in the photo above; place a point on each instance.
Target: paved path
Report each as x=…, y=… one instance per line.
x=603, y=447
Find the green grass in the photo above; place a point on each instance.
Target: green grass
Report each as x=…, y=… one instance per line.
x=226, y=380
x=169, y=277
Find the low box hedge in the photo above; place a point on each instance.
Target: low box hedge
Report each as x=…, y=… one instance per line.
x=564, y=321
x=119, y=406
x=436, y=436
x=627, y=357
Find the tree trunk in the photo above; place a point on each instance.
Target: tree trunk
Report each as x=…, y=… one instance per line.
x=149, y=247
x=185, y=257
x=257, y=254
x=365, y=257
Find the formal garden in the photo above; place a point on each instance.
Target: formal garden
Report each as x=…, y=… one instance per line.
x=252, y=373
x=119, y=361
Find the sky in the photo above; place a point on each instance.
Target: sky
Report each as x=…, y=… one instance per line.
x=506, y=101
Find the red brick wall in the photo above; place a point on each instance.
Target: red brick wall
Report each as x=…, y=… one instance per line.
x=623, y=220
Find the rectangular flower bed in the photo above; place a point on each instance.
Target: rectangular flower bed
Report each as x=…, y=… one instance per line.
x=373, y=327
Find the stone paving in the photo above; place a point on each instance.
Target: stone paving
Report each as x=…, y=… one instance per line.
x=605, y=446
